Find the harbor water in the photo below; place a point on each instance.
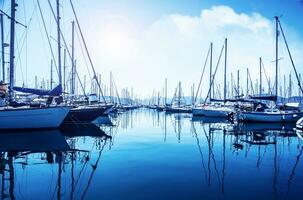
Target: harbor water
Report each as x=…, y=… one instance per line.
x=145, y=154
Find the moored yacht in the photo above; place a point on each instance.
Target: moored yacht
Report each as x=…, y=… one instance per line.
x=213, y=110
x=270, y=115
x=14, y=116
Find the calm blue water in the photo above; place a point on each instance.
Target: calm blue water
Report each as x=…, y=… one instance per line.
x=153, y=155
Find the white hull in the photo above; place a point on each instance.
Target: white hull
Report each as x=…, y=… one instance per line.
x=269, y=117
x=212, y=112
x=32, y=118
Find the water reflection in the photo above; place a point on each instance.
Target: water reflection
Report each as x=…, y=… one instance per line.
x=145, y=154
x=24, y=152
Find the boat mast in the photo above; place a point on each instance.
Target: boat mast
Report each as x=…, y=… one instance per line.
x=260, y=89
x=238, y=83
x=64, y=70
x=73, y=59
x=277, y=35
x=210, y=71
x=165, y=101
x=2, y=47
x=110, y=87
x=12, y=50
x=51, y=75
x=247, y=82
x=225, y=69
x=59, y=42
x=179, y=96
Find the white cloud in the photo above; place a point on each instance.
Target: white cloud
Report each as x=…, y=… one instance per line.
x=175, y=47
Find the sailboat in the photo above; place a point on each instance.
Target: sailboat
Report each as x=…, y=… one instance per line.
x=178, y=103
x=26, y=117
x=274, y=114
x=214, y=109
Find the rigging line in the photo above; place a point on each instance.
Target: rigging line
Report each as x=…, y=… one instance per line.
x=198, y=89
x=212, y=81
x=265, y=74
x=290, y=57
x=82, y=51
x=48, y=38
x=24, y=41
x=251, y=84
x=88, y=55
x=19, y=23
x=117, y=93
x=19, y=59
x=66, y=46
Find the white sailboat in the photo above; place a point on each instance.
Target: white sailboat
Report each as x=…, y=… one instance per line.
x=274, y=114
x=27, y=117
x=215, y=110
x=178, y=103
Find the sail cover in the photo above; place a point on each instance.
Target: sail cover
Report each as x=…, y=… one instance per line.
x=264, y=97
x=57, y=91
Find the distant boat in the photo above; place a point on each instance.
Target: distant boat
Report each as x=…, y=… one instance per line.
x=178, y=103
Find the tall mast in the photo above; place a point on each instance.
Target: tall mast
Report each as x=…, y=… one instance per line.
x=2, y=47
x=210, y=71
x=51, y=75
x=110, y=87
x=290, y=86
x=225, y=69
x=64, y=70
x=246, y=82
x=238, y=83
x=179, y=96
x=59, y=42
x=277, y=35
x=12, y=50
x=260, y=89
x=73, y=58
x=165, y=101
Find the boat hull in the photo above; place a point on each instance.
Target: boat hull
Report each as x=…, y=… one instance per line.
x=87, y=113
x=211, y=112
x=269, y=117
x=33, y=118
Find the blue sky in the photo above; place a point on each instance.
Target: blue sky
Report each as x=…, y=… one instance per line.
x=144, y=41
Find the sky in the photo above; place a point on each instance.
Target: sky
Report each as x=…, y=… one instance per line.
x=142, y=42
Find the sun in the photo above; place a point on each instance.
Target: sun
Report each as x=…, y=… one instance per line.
x=115, y=37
